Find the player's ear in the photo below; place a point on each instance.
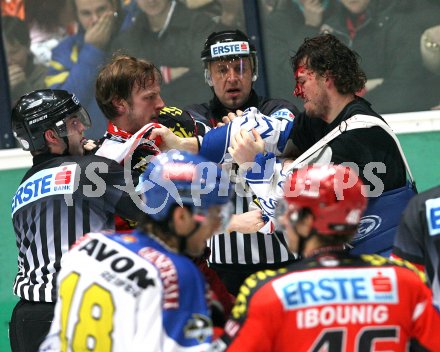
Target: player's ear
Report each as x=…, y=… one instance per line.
x=120, y=104
x=182, y=219
x=51, y=136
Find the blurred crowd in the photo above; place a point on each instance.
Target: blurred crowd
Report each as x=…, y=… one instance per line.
x=148, y=90
x=61, y=44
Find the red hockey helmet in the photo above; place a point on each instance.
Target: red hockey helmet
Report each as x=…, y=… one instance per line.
x=331, y=192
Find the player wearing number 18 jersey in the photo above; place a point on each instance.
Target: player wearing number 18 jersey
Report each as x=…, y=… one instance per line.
x=330, y=300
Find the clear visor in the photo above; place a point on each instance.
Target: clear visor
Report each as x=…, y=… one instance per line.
x=221, y=214
x=77, y=122
x=235, y=68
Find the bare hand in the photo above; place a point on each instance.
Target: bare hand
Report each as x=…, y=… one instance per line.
x=313, y=12
x=89, y=145
x=16, y=75
x=286, y=164
x=230, y=117
x=100, y=33
x=248, y=222
x=245, y=147
x=168, y=139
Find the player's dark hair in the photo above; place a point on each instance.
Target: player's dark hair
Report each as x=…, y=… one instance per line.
x=326, y=55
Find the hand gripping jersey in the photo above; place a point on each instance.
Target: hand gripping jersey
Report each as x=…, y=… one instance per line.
x=389, y=195
x=256, y=248
x=333, y=302
x=208, y=115
x=136, y=150
x=246, y=252
x=120, y=146
x=273, y=130
x=128, y=292
x=133, y=151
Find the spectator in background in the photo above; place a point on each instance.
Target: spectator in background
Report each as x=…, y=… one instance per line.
x=285, y=29
x=430, y=51
x=421, y=14
x=168, y=34
x=430, y=48
x=227, y=12
x=373, y=28
x=13, y=8
x=76, y=60
x=423, y=17
x=24, y=74
x=49, y=22
x=231, y=14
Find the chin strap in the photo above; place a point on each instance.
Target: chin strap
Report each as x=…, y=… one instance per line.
x=302, y=242
x=66, y=140
x=182, y=240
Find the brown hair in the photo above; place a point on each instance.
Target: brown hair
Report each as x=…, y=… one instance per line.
x=118, y=78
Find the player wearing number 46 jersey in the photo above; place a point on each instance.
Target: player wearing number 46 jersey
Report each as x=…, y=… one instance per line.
x=330, y=300
x=139, y=291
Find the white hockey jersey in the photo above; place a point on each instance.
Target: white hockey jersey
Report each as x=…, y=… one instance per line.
x=128, y=292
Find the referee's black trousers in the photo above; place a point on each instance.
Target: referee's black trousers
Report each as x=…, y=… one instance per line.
x=29, y=325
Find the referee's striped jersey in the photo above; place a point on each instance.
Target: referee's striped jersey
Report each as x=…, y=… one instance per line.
x=247, y=249
x=59, y=199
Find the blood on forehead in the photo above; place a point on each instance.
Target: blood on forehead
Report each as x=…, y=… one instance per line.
x=301, y=70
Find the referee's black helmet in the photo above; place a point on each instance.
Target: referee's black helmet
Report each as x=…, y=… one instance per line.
x=41, y=110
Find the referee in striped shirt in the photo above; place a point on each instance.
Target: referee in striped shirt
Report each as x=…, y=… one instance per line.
x=64, y=195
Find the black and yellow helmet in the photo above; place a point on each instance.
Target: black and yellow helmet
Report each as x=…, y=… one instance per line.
x=179, y=121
